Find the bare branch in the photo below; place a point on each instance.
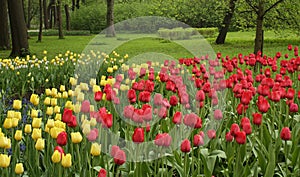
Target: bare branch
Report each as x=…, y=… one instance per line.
x=272, y=6
x=252, y=6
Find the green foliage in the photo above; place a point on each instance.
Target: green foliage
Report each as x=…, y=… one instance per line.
x=175, y=33
x=208, y=32
x=53, y=32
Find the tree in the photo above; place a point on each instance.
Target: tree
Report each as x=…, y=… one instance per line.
x=4, y=35
x=41, y=21
x=68, y=26
x=46, y=19
x=226, y=23
x=110, y=31
x=19, y=37
x=259, y=7
x=59, y=20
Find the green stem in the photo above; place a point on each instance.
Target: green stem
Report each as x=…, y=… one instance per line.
x=185, y=164
x=286, y=157
x=79, y=157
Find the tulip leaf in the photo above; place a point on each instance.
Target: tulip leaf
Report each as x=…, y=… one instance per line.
x=97, y=168
x=271, y=162
x=218, y=153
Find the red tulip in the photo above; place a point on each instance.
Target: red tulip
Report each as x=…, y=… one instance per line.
x=198, y=140
x=98, y=96
x=128, y=111
x=114, y=150
x=275, y=96
x=228, y=137
x=247, y=128
x=257, y=118
x=185, y=146
x=107, y=120
x=120, y=157
x=138, y=135
x=131, y=95
x=92, y=136
x=240, y=137
x=263, y=105
x=102, y=173
x=177, y=118
x=211, y=134
x=241, y=108
x=234, y=129
x=149, y=86
x=62, y=138
x=245, y=120
x=285, y=133
x=163, y=139
x=145, y=96
x=293, y=107
x=246, y=97
x=148, y=127
x=290, y=47
x=290, y=93
x=67, y=115
x=72, y=122
x=173, y=100
x=85, y=106
x=190, y=120
x=218, y=114
x=200, y=95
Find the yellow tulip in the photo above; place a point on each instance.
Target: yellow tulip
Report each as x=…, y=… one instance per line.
x=4, y=160
x=57, y=117
x=53, y=101
x=84, y=86
x=50, y=123
x=18, y=115
x=96, y=88
x=124, y=87
x=110, y=69
x=17, y=104
x=69, y=105
x=104, y=97
x=48, y=92
x=57, y=109
x=47, y=129
x=8, y=145
x=86, y=129
x=55, y=131
x=7, y=124
x=19, y=169
x=70, y=92
x=18, y=135
x=115, y=67
x=92, y=82
x=76, y=137
x=15, y=122
x=36, y=133
x=47, y=101
x=36, y=122
x=56, y=156
x=53, y=92
x=58, y=95
x=34, y=99
x=62, y=88
x=103, y=82
x=27, y=128
x=49, y=111
x=40, y=144
x=93, y=122
x=65, y=94
x=73, y=81
x=3, y=141
x=95, y=149
x=10, y=114
x=34, y=113
x=80, y=97
x=77, y=107
x=66, y=160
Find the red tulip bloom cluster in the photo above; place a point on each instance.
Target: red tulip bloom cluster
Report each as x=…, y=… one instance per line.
x=69, y=118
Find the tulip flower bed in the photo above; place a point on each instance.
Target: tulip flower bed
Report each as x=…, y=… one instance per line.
x=199, y=116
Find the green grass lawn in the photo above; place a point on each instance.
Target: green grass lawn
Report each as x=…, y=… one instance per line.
x=136, y=44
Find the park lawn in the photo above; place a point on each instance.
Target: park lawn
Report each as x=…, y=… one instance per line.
x=136, y=44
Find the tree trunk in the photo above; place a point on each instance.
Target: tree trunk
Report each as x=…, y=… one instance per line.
x=226, y=23
x=4, y=33
x=68, y=27
x=110, y=30
x=28, y=14
x=59, y=20
x=46, y=19
x=51, y=14
x=73, y=5
x=259, y=29
x=41, y=21
x=20, y=45
x=77, y=4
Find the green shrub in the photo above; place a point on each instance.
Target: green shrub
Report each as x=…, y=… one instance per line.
x=175, y=33
x=53, y=32
x=208, y=32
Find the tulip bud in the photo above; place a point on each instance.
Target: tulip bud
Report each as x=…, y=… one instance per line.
x=40, y=144
x=66, y=161
x=19, y=169
x=36, y=122
x=4, y=160
x=76, y=137
x=56, y=156
x=95, y=149
x=18, y=135
x=36, y=133
x=27, y=128
x=17, y=104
